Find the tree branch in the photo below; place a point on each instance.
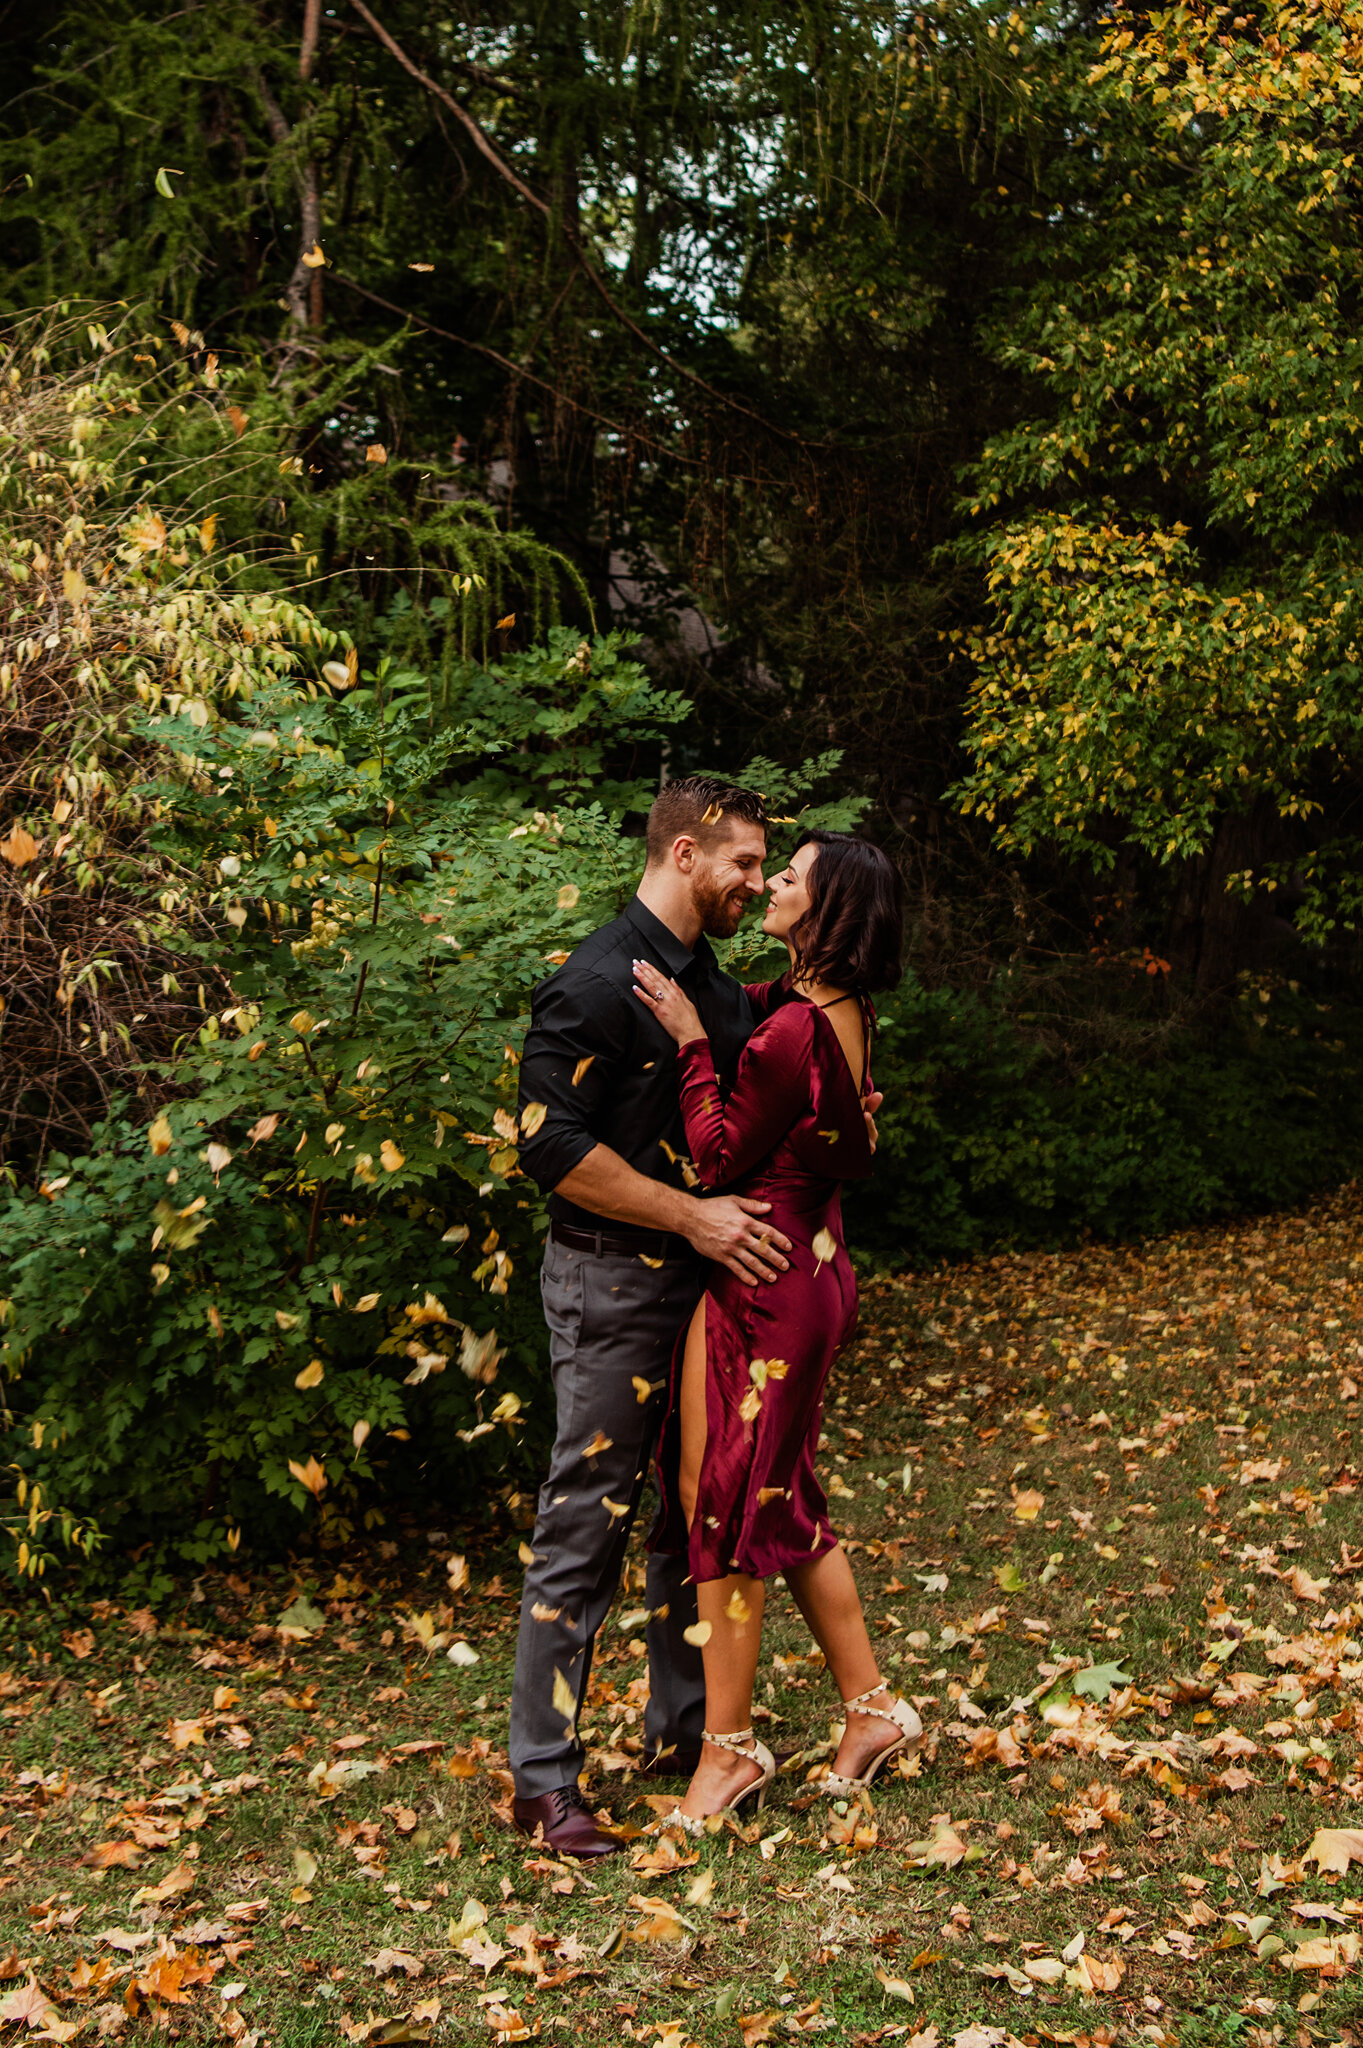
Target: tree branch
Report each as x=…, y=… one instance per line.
x=487, y=149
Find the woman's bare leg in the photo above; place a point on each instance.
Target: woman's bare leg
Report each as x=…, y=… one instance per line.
x=732, y=1607
x=826, y=1594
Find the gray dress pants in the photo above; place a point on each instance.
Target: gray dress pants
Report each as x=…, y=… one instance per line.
x=613, y=1322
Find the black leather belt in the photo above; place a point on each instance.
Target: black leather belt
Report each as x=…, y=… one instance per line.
x=622, y=1244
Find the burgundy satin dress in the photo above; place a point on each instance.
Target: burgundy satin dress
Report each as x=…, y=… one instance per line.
x=790, y=1133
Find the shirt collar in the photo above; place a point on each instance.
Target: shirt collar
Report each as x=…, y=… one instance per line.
x=665, y=943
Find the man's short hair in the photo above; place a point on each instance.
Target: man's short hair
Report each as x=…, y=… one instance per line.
x=703, y=806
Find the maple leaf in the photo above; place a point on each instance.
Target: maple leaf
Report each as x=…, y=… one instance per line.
x=390, y=1959
x=1334, y=1849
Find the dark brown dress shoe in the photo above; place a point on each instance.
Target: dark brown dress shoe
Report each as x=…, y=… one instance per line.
x=669, y=1763
x=569, y=1829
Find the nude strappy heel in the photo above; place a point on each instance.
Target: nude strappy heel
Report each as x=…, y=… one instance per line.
x=910, y=1736
x=744, y=1743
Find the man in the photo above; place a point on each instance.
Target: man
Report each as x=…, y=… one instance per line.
x=622, y=1273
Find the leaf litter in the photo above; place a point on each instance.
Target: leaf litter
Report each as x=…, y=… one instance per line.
x=1102, y=1506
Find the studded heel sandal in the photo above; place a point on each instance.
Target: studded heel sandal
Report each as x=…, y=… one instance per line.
x=744, y=1743
x=909, y=1738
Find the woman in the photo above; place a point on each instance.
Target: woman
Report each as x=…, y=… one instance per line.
x=747, y=1401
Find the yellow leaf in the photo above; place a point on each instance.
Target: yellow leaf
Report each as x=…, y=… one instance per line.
x=311, y=1375
x=738, y=1609
x=365, y=1303
x=568, y=896
x=532, y=1116
x=750, y=1407
x=1027, y=1506
x=311, y=1477
x=19, y=847
x=614, y=1508
x=565, y=1701
x=1334, y=1849
x=73, y=586
x=208, y=532
x=161, y=1137
x=313, y=257
x=359, y=1433
x=376, y=452
x=600, y=1442
x=392, y=1159
x=240, y=420
x=421, y=266
x=642, y=1390
x=457, y=1570
x=503, y=625
x=578, y=1071
x=825, y=1248
x=698, y=1635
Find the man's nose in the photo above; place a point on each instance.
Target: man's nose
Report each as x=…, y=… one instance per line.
x=755, y=883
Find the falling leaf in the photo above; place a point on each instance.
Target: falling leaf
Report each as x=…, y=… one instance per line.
x=565, y=1700
x=568, y=896
x=18, y=847
x=240, y=420
x=393, y=1160
x=365, y=1303
x=264, y=1127
x=505, y=625
x=304, y=1866
x=160, y=1137
x=461, y=1654
x=825, y=1248
x=313, y=257
x=738, y=1609
x=600, y=1442
x=166, y=189
x=701, y=1888
x=311, y=1375
x=311, y=1476
x=698, y=1635
x=614, y=1508
x=360, y=1433
x=301, y=1617
x=376, y=452
x=532, y=1116
x=208, y=532
x=580, y=1069
x=540, y=1612
x=1028, y=1505
x=643, y=1391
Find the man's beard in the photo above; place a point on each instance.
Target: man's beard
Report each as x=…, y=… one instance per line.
x=720, y=909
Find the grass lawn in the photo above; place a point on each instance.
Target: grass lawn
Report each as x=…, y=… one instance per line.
x=1105, y=1514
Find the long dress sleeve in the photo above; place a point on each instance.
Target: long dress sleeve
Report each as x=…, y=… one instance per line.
x=771, y=1092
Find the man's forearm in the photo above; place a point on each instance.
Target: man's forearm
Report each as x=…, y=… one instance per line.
x=605, y=1184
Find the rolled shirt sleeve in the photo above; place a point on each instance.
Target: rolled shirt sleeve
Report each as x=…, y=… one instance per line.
x=578, y=1038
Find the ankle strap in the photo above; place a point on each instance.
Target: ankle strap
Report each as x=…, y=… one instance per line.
x=862, y=1697
x=744, y=1743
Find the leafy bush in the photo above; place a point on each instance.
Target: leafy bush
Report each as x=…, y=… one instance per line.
x=987, y=1139
x=298, y=1279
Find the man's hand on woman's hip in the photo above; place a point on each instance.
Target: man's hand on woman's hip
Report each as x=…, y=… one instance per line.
x=729, y=1229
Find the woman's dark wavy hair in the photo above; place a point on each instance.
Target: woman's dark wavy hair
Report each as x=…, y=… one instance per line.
x=852, y=935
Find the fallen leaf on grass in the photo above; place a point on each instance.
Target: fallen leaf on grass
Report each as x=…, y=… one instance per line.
x=181, y=1879
x=390, y=1959
x=1331, y=1954
x=1098, y=1681
x=1335, y=1848
x=112, y=1856
x=944, y=1847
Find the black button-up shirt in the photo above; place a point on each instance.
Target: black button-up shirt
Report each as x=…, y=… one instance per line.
x=602, y=1064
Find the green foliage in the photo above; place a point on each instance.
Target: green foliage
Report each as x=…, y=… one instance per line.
x=988, y=1139
x=307, y=1259
x=1177, y=584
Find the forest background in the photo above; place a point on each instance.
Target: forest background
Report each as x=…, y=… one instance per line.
x=419, y=434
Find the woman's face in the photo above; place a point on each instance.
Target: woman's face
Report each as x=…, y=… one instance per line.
x=790, y=895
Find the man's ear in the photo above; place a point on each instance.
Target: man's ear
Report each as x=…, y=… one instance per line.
x=684, y=851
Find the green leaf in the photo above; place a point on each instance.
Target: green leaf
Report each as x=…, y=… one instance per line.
x=302, y=1615
x=1008, y=1578
x=1099, y=1680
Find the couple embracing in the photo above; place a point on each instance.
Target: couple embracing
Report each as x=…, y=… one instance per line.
x=698, y=1328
